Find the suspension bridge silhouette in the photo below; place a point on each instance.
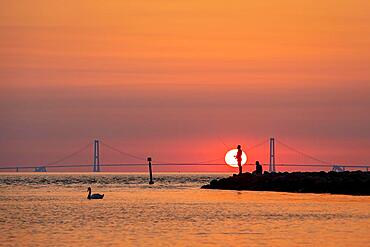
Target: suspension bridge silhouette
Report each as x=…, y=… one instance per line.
x=142, y=161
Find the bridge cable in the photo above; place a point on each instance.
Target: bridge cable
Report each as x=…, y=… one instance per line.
x=176, y=163
x=123, y=153
x=257, y=145
x=213, y=160
x=69, y=156
x=226, y=146
x=302, y=153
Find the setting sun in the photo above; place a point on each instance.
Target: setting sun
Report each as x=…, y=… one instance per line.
x=231, y=160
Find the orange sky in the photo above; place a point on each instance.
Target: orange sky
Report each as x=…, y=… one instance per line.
x=172, y=78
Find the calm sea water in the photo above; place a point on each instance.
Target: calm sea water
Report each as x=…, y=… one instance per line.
x=52, y=210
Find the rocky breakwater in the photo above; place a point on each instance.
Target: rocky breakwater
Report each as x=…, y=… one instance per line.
x=349, y=183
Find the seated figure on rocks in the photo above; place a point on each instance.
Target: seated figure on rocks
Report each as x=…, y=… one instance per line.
x=258, y=170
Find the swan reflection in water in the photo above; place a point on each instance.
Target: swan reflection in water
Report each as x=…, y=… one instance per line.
x=94, y=196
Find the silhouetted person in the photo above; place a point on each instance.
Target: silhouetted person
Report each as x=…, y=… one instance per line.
x=238, y=157
x=258, y=170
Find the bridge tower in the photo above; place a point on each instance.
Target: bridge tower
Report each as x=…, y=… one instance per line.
x=272, y=155
x=96, y=166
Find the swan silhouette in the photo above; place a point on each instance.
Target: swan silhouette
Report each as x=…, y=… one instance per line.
x=94, y=196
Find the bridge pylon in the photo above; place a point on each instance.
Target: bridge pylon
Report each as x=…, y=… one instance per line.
x=96, y=157
x=272, y=155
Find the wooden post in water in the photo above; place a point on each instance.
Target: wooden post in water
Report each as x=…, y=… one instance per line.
x=150, y=171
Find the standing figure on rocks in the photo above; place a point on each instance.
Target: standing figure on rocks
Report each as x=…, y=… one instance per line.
x=238, y=157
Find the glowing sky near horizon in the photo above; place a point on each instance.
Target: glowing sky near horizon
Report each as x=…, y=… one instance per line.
x=178, y=80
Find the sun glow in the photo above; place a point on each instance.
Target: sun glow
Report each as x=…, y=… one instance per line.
x=231, y=160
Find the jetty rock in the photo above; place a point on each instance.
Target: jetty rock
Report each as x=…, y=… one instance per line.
x=348, y=183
